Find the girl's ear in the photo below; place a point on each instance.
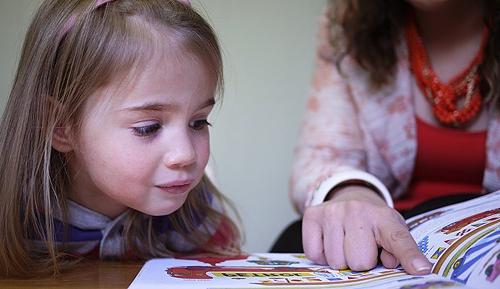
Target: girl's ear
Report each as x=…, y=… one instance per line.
x=62, y=140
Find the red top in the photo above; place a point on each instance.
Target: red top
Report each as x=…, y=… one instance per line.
x=448, y=161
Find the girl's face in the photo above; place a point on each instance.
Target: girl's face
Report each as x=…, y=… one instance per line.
x=145, y=144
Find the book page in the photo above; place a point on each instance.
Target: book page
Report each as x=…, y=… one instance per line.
x=273, y=271
x=463, y=241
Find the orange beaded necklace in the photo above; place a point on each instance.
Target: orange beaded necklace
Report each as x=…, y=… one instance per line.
x=445, y=96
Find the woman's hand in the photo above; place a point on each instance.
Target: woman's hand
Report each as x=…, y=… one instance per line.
x=347, y=230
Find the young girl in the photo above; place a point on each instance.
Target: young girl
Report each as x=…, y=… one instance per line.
x=105, y=139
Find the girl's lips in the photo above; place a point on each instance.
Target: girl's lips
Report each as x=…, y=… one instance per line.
x=176, y=187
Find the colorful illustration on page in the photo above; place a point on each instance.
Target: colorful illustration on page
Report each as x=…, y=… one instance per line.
x=274, y=272
x=459, y=249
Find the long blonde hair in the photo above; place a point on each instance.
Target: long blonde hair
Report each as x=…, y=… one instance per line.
x=71, y=49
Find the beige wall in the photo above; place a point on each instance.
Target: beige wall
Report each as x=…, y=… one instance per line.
x=15, y=16
x=268, y=47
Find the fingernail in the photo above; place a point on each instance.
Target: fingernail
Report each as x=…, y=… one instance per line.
x=421, y=266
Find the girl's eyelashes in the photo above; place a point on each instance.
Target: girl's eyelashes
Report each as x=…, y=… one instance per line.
x=152, y=128
x=146, y=130
x=199, y=124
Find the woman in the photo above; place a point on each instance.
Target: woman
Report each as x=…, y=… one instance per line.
x=404, y=106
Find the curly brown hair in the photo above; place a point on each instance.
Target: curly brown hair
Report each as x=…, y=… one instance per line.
x=371, y=31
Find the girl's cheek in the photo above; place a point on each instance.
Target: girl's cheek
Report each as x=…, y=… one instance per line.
x=204, y=151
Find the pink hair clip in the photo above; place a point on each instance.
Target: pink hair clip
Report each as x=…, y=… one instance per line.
x=101, y=2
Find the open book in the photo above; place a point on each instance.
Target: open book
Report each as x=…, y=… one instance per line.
x=462, y=242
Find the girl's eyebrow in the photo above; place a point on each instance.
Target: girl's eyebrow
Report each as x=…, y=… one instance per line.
x=156, y=106
x=209, y=102
x=151, y=106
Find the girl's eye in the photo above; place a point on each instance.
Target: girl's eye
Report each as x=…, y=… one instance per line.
x=199, y=124
x=147, y=130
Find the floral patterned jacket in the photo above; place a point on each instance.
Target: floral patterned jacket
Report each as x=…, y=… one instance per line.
x=351, y=131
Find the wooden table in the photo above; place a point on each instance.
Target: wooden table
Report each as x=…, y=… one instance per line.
x=89, y=274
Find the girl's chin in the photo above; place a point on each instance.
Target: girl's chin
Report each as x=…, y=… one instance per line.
x=162, y=211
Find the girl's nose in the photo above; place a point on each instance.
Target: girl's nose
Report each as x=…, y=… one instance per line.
x=181, y=153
